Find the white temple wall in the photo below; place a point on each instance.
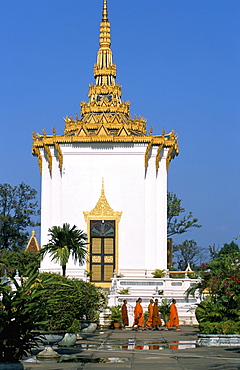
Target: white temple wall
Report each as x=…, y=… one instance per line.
x=161, y=219
x=140, y=196
x=150, y=213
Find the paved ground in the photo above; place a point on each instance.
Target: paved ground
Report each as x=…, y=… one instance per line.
x=117, y=349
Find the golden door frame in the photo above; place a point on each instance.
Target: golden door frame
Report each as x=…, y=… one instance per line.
x=103, y=211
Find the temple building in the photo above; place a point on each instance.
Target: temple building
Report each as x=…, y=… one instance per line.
x=107, y=175
x=33, y=245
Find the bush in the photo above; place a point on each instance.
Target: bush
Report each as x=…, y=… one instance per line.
x=78, y=300
x=209, y=311
x=220, y=278
x=228, y=327
x=223, y=327
x=207, y=327
x=22, y=311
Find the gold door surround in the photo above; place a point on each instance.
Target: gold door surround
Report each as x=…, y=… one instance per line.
x=103, y=261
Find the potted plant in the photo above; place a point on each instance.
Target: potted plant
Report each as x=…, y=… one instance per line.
x=164, y=309
x=159, y=273
x=22, y=311
x=124, y=291
x=115, y=316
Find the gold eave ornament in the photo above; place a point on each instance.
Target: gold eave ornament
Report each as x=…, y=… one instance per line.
x=102, y=135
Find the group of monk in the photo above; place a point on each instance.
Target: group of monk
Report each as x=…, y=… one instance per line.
x=154, y=321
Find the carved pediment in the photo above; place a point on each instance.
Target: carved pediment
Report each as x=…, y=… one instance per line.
x=102, y=209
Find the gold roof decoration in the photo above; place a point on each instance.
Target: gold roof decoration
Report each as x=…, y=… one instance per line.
x=105, y=117
x=105, y=105
x=102, y=209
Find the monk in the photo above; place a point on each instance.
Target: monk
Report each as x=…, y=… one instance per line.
x=173, y=318
x=124, y=314
x=138, y=314
x=135, y=322
x=150, y=315
x=156, y=317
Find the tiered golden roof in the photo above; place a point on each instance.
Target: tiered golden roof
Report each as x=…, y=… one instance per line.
x=105, y=117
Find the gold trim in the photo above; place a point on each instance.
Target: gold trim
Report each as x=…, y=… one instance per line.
x=49, y=156
x=147, y=154
x=102, y=209
x=59, y=155
x=103, y=285
x=36, y=152
x=159, y=156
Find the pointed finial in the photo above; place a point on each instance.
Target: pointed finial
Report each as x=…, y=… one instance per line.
x=105, y=12
x=103, y=191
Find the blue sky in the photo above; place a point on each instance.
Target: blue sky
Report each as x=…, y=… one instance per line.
x=178, y=62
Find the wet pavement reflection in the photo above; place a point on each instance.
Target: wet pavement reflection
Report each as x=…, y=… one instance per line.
x=133, y=344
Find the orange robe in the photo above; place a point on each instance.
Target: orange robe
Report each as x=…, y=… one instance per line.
x=156, y=317
x=173, y=318
x=124, y=314
x=138, y=315
x=150, y=315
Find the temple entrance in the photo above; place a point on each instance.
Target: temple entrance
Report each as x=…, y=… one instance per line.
x=102, y=250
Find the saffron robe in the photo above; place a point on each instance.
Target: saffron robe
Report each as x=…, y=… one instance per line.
x=138, y=315
x=150, y=315
x=124, y=314
x=173, y=318
x=156, y=317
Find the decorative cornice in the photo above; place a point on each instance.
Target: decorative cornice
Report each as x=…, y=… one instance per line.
x=103, y=135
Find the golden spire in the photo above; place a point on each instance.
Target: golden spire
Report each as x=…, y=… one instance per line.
x=105, y=106
x=105, y=12
x=105, y=69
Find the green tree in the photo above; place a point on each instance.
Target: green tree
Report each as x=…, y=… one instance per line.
x=65, y=241
x=18, y=206
x=213, y=251
x=21, y=260
x=187, y=252
x=229, y=248
x=176, y=225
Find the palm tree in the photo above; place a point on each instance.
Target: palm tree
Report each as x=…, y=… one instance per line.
x=65, y=241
